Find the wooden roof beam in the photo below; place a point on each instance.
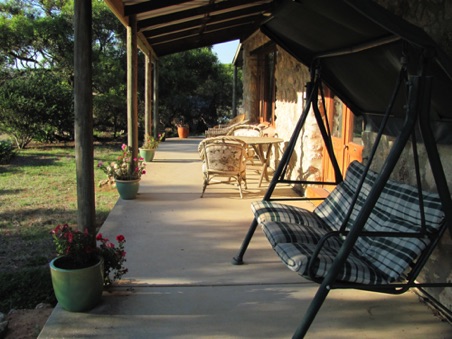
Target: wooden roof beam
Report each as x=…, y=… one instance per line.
x=204, y=40
x=150, y=6
x=198, y=11
x=205, y=29
x=212, y=19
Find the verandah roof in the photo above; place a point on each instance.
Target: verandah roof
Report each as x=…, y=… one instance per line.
x=177, y=25
x=358, y=44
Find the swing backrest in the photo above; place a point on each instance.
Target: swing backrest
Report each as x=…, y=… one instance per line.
x=397, y=210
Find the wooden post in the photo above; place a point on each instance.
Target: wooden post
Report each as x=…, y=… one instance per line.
x=155, y=89
x=132, y=86
x=148, y=88
x=83, y=122
x=234, y=92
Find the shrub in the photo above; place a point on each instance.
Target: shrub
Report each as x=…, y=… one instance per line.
x=7, y=151
x=36, y=104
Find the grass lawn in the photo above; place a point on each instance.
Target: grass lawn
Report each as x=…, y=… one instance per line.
x=38, y=192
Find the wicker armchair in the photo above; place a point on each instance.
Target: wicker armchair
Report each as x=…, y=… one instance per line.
x=224, y=162
x=245, y=130
x=223, y=129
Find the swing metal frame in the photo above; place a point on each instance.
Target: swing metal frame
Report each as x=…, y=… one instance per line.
x=417, y=83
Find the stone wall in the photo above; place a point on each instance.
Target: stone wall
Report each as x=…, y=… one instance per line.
x=250, y=106
x=291, y=78
x=433, y=16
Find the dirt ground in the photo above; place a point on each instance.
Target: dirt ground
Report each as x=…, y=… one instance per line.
x=26, y=324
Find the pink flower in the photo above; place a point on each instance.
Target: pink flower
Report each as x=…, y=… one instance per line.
x=100, y=164
x=124, y=147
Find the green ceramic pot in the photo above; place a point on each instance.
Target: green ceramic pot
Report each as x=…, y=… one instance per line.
x=128, y=189
x=147, y=154
x=77, y=290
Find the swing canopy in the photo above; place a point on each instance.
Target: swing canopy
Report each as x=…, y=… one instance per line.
x=359, y=48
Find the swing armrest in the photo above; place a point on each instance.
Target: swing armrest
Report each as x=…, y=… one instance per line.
x=316, y=252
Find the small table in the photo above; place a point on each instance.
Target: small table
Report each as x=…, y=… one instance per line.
x=258, y=144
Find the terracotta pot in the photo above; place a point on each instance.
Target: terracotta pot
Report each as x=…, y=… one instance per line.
x=183, y=132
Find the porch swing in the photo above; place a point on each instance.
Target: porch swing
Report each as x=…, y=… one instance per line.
x=372, y=232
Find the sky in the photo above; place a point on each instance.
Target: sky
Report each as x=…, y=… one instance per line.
x=226, y=51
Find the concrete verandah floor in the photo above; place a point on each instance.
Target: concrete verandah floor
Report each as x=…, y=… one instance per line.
x=181, y=283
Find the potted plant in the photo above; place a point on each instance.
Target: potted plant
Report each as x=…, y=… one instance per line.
x=82, y=269
x=126, y=172
x=147, y=151
x=183, y=129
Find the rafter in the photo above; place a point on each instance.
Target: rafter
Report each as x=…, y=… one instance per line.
x=224, y=17
x=194, y=12
x=203, y=40
x=246, y=21
x=151, y=5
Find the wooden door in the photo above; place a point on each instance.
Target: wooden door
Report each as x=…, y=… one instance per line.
x=266, y=83
x=346, y=130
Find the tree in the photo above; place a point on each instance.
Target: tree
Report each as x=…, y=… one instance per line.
x=36, y=104
x=195, y=87
x=39, y=35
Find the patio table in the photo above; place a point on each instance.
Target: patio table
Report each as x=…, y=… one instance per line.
x=263, y=147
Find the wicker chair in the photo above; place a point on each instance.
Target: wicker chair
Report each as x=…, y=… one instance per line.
x=224, y=129
x=247, y=131
x=223, y=157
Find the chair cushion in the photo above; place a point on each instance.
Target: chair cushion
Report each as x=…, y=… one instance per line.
x=396, y=210
x=270, y=211
x=335, y=207
x=296, y=256
x=282, y=232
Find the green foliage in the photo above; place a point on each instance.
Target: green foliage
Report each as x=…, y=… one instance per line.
x=35, y=104
x=39, y=34
x=79, y=247
x=194, y=87
x=7, y=151
x=125, y=167
x=25, y=289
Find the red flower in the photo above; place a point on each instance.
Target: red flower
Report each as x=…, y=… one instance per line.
x=99, y=236
x=120, y=238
